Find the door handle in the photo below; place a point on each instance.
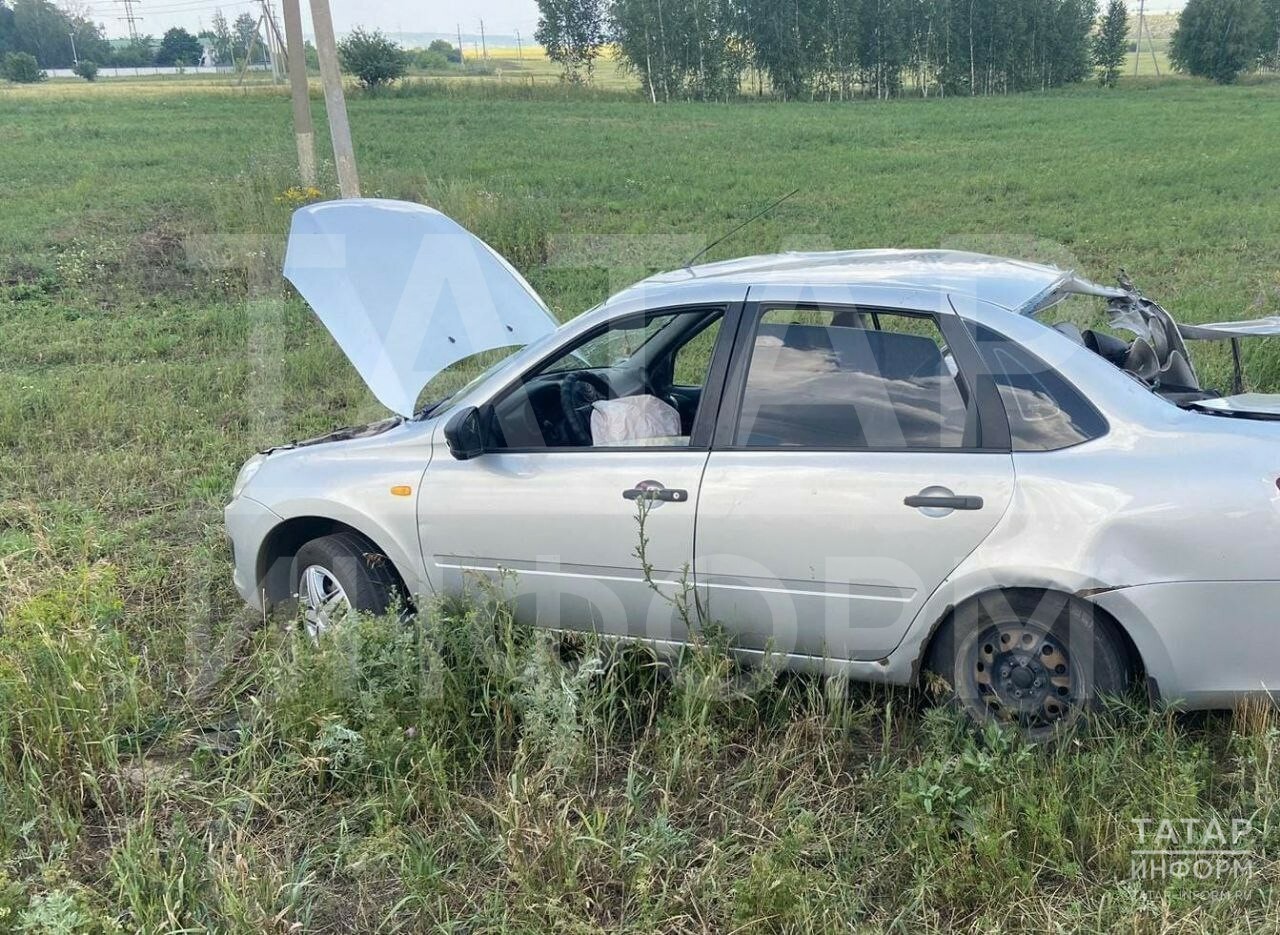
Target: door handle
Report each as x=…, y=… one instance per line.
x=653, y=490
x=941, y=502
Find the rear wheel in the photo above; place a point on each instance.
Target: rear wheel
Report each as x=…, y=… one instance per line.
x=1036, y=660
x=340, y=573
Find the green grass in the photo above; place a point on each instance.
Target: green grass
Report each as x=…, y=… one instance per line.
x=167, y=762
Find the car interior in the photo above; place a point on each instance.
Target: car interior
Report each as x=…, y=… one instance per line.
x=1157, y=356
x=638, y=382
x=844, y=377
x=847, y=377
x=859, y=380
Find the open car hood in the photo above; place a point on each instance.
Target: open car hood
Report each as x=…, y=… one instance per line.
x=406, y=291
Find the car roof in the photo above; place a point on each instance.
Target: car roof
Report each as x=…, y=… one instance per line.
x=1016, y=285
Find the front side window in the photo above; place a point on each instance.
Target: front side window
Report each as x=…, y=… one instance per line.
x=852, y=378
x=637, y=382
x=1045, y=412
x=611, y=347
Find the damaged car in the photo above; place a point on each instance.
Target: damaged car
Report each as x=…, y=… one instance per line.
x=874, y=463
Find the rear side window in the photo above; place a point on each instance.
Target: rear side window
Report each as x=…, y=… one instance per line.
x=1045, y=411
x=851, y=378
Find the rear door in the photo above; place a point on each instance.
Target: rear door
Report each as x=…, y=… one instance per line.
x=858, y=458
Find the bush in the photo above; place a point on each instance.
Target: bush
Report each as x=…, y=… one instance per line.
x=452, y=56
x=23, y=68
x=373, y=58
x=430, y=60
x=86, y=69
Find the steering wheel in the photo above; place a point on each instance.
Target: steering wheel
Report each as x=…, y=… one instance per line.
x=579, y=391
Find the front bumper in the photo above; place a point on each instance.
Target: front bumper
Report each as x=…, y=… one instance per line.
x=1207, y=644
x=248, y=523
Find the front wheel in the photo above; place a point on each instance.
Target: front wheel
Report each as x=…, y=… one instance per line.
x=1035, y=660
x=340, y=573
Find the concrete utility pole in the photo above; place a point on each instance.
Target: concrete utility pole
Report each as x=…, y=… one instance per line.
x=1151, y=45
x=461, y=57
x=272, y=44
x=482, y=42
x=74, y=57
x=519, y=47
x=296, y=58
x=1137, y=46
x=335, y=102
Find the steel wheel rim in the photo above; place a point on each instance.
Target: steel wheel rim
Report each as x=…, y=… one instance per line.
x=1025, y=675
x=324, y=601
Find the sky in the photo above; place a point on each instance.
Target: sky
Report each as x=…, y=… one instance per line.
x=502, y=18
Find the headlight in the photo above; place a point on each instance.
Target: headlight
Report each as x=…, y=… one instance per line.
x=249, y=469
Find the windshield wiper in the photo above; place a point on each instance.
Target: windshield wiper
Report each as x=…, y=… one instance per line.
x=425, y=411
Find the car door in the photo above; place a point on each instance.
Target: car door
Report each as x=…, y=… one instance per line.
x=555, y=523
x=860, y=456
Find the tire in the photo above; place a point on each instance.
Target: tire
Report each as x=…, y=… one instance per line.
x=336, y=574
x=1039, y=660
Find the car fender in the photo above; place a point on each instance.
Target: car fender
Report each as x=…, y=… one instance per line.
x=370, y=485
x=395, y=535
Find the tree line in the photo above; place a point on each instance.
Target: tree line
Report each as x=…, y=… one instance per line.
x=838, y=49
x=56, y=38
x=833, y=49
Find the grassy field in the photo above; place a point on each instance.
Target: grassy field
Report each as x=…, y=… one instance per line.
x=170, y=763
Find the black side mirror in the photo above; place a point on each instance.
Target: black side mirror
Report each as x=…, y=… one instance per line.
x=465, y=434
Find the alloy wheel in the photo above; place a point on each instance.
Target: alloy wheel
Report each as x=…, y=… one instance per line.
x=324, y=600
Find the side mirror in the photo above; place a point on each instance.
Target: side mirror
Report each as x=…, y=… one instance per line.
x=465, y=434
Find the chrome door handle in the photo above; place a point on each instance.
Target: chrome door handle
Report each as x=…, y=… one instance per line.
x=939, y=502
x=653, y=490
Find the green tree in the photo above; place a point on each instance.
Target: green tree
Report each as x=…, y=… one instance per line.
x=224, y=42
x=430, y=60
x=90, y=41
x=373, y=58
x=572, y=32
x=43, y=31
x=87, y=69
x=139, y=53
x=1218, y=39
x=1270, y=40
x=1111, y=43
x=445, y=48
x=22, y=67
x=245, y=30
x=179, y=47
x=841, y=48
x=7, y=30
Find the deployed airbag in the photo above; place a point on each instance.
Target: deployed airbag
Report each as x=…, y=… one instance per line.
x=632, y=420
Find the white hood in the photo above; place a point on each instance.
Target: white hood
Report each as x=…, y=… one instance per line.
x=406, y=291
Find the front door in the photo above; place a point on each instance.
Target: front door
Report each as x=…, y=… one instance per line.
x=560, y=534
x=854, y=474
x=619, y=421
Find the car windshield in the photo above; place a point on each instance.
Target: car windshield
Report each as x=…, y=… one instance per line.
x=460, y=378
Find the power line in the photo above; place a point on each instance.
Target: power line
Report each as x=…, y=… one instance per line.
x=177, y=11
x=130, y=18
x=202, y=7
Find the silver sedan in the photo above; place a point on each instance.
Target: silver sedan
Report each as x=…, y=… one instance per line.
x=866, y=463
